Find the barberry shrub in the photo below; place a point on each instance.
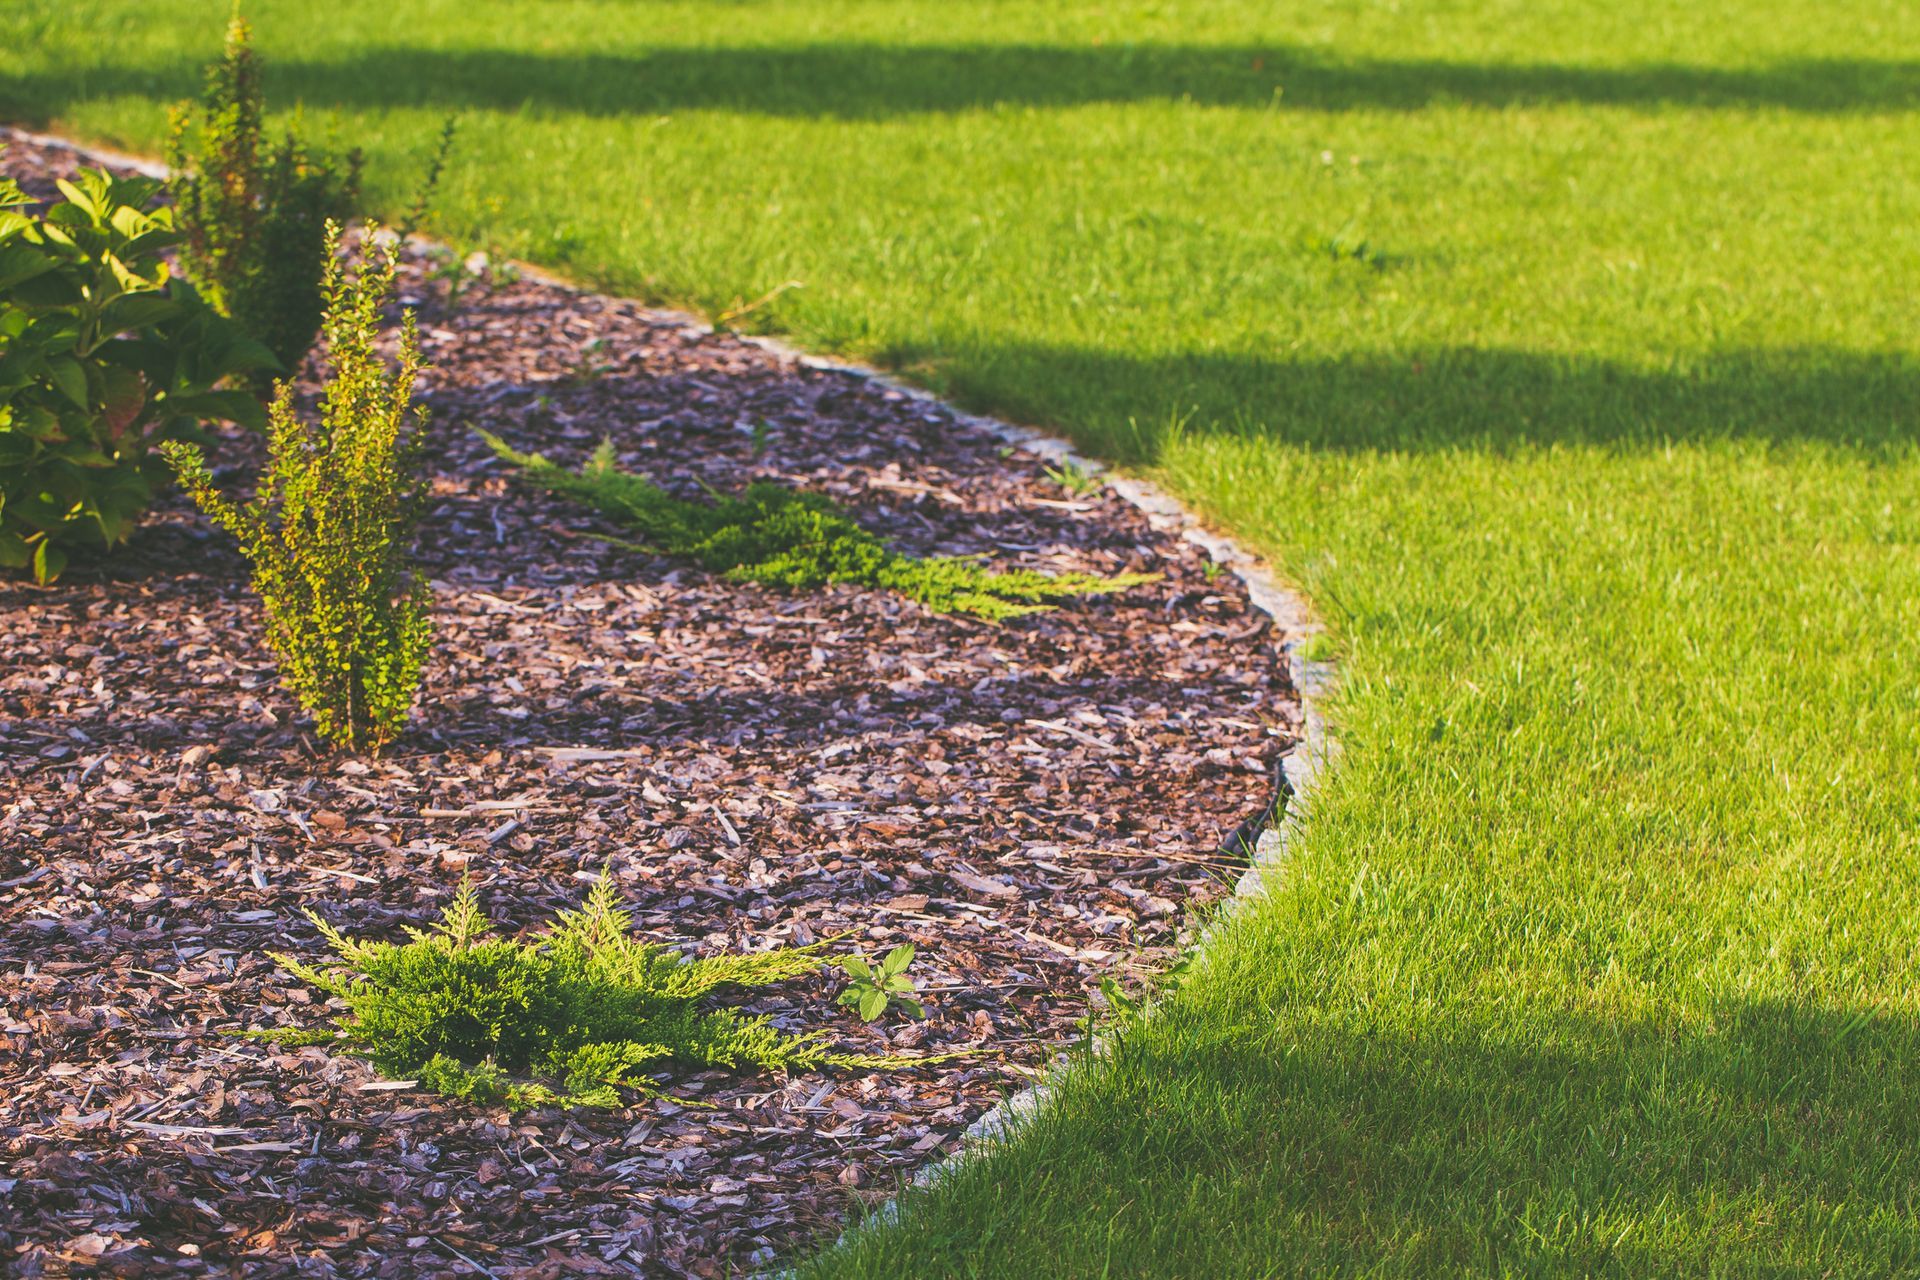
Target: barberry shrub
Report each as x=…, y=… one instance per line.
x=255, y=213
x=330, y=530
x=104, y=353
x=581, y=1014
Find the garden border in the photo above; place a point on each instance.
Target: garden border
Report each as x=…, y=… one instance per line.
x=1299, y=769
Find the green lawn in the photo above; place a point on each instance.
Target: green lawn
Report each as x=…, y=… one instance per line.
x=1565, y=353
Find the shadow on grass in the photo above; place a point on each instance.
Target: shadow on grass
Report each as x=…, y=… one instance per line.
x=1446, y=398
x=876, y=81
x=1774, y=1140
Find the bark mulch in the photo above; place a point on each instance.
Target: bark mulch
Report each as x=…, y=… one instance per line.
x=1033, y=805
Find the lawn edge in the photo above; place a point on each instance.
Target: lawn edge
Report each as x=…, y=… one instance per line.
x=1300, y=769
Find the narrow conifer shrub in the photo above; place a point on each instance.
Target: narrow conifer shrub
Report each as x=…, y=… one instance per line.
x=330, y=530
x=785, y=538
x=255, y=212
x=580, y=1014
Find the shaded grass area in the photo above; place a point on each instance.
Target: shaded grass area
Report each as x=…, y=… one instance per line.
x=874, y=80
x=1261, y=1175
x=1561, y=352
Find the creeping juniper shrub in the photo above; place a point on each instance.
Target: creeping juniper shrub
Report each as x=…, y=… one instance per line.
x=782, y=538
x=580, y=1014
x=329, y=531
x=255, y=214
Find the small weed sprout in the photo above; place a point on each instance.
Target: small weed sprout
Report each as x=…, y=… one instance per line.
x=1124, y=1011
x=579, y=1014
x=588, y=367
x=872, y=989
x=1350, y=244
x=329, y=531
x=781, y=538
x=1074, y=478
x=461, y=271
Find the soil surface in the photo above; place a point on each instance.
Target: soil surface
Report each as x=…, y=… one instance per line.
x=1033, y=805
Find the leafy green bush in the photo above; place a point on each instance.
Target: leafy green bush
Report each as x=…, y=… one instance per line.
x=798, y=540
x=103, y=354
x=578, y=1014
x=255, y=214
x=330, y=530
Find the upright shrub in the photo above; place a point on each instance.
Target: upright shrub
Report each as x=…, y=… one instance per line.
x=330, y=530
x=582, y=1013
x=103, y=354
x=255, y=213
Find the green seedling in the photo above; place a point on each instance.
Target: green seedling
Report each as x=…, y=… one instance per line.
x=872, y=990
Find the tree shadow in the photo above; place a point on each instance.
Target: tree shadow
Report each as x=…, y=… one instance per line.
x=876, y=81
x=1768, y=1138
x=1445, y=398
x=787, y=718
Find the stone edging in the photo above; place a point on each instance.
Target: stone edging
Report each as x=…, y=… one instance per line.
x=1300, y=768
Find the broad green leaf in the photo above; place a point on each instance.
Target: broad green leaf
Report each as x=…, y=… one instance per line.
x=873, y=1003
x=137, y=311
x=68, y=375
x=219, y=406
x=897, y=960
x=49, y=561
x=20, y=262
x=125, y=396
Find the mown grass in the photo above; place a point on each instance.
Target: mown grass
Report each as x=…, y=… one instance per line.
x=1563, y=352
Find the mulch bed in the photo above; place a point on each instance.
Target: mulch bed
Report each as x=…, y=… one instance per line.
x=1034, y=805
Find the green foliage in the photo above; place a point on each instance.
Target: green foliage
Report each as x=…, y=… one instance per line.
x=872, y=988
x=329, y=530
x=1074, y=478
x=255, y=214
x=421, y=207
x=580, y=1014
x=1350, y=244
x=1316, y=647
x=782, y=538
x=103, y=354
x=587, y=366
x=459, y=271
